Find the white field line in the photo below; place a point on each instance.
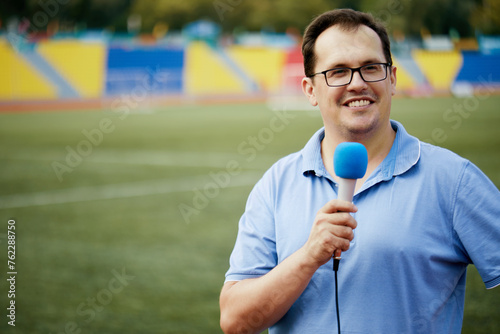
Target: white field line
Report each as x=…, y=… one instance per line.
x=176, y=159
x=123, y=190
x=148, y=157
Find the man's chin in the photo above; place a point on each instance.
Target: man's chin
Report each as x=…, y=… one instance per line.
x=360, y=127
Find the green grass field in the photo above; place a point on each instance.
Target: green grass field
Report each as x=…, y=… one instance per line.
x=111, y=235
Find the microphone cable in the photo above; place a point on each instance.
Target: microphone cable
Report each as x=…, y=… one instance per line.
x=336, y=261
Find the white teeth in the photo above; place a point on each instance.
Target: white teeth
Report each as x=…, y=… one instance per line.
x=359, y=103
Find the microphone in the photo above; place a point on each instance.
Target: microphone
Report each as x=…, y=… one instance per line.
x=350, y=161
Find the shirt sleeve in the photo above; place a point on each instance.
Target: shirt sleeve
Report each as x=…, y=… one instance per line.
x=254, y=253
x=476, y=219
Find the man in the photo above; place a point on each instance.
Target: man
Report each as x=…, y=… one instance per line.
x=419, y=216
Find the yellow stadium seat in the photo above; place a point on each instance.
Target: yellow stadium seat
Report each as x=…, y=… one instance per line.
x=439, y=67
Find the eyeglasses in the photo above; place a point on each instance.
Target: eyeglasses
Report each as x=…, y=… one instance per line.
x=342, y=76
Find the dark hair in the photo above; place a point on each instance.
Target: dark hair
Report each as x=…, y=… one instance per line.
x=346, y=19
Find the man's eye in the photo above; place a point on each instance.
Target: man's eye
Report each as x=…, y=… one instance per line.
x=372, y=68
x=339, y=72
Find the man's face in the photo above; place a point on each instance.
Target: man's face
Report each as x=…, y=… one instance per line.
x=358, y=108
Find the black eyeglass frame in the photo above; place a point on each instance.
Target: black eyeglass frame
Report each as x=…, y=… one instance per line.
x=353, y=70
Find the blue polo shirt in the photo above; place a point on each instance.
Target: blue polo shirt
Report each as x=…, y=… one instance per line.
x=423, y=215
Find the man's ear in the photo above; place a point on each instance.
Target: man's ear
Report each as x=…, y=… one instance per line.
x=309, y=90
x=393, y=78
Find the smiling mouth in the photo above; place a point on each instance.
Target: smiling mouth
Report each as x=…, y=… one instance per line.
x=358, y=103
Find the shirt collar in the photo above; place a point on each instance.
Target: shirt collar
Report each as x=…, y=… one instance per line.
x=311, y=155
x=404, y=154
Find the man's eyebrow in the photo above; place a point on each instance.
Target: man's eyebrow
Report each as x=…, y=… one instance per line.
x=337, y=65
x=372, y=61
x=366, y=62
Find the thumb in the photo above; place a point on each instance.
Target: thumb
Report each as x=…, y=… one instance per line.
x=337, y=253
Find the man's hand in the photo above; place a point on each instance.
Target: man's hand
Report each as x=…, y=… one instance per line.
x=332, y=230
x=242, y=302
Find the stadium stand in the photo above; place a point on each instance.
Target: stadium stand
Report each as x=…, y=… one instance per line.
x=158, y=70
x=70, y=68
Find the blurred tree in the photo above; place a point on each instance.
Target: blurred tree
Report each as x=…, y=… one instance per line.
x=12, y=9
x=353, y=4
x=276, y=15
x=405, y=16
x=93, y=14
x=486, y=16
x=279, y=15
x=101, y=13
x=439, y=17
x=174, y=12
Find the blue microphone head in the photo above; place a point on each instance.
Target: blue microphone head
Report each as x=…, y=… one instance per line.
x=350, y=160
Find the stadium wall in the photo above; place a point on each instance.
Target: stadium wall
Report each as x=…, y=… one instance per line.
x=78, y=69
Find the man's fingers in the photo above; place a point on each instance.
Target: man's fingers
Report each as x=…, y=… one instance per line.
x=337, y=205
x=332, y=229
x=337, y=219
x=345, y=232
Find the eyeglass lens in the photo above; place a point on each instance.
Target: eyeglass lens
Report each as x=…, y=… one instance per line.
x=343, y=76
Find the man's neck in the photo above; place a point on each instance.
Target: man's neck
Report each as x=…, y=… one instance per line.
x=378, y=146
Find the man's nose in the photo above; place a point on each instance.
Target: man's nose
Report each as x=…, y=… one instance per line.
x=357, y=81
